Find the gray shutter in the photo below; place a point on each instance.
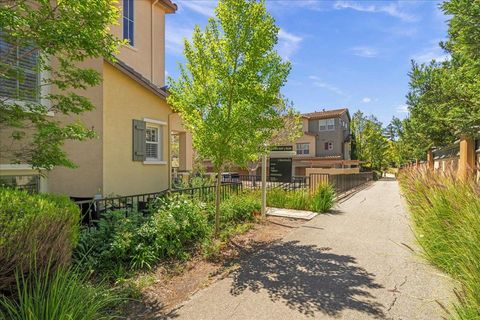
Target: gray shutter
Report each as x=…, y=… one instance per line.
x=139, y=143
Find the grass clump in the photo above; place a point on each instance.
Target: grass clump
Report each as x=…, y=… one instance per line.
x=60, y=294
x=321, y=200
x=446, y=214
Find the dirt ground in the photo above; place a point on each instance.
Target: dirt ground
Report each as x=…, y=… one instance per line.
x=173, y=284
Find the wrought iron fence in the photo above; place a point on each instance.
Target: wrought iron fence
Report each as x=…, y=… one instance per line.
x=93, y=209
x=255, y=182
x=345, y=182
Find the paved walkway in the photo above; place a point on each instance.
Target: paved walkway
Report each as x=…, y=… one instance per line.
x=351, y=264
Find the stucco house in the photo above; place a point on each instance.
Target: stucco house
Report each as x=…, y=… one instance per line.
x=325, y=143
x=131, y=117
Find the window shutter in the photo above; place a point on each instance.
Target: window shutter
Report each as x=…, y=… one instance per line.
x=139, y=140
x=326, y=145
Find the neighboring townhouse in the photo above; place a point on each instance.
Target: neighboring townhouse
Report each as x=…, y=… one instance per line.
x=132, y=118
x=325, y=143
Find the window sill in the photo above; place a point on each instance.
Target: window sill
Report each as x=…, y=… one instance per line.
x=154, y=162
x=131, y=48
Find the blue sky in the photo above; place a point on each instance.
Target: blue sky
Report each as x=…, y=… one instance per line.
x=353, y=54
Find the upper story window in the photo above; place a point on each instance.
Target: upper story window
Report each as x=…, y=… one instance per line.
x=22, y=79
x=326, y=125
x=303, y=148
x=329, y=146
x=128, y=21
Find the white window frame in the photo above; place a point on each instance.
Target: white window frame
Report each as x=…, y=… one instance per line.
x=131, y=42
x=326, y=124
x=159, y=125
x=330, y=145
x=303, y=147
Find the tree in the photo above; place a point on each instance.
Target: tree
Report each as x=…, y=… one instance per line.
x=49, y=38
x=228, y=90
x=444, y=97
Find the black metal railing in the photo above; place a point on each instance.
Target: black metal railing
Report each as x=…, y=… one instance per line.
x=346, y=182
x=255, y=182
x=93, y=209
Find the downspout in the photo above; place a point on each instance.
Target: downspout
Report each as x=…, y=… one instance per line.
x=152, y=78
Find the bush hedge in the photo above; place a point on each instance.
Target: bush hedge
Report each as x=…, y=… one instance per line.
x=175, y=227
x=36, y=230
x=321, y=200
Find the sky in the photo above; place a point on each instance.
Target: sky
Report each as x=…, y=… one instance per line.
x=354, y=54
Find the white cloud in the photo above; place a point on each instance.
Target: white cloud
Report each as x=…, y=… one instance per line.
x=402, y=108
x=365, y=52
x=203, y=7
x=174, y=40
x=366, y=100
x=428, y=54
x=288, y=44
x=391, y=8
x=318, y=82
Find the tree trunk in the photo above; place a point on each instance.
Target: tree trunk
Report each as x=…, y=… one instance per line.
x=217, y=202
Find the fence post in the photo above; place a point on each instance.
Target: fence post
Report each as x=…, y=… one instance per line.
x=430, y=160
x=466, y=163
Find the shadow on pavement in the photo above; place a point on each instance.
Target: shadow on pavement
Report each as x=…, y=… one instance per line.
x=307, y=279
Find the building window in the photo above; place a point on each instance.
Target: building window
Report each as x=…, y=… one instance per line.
x=128, y=19
x=22, y=63
x=303, y=148
x=329, y=146
x=153, y=143
x=326, y=124
x=30, y=183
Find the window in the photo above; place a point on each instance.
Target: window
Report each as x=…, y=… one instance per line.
x=329, y=145
x=153, y=143
x=29, y=183
x=23, y=83
x=128, y=18
x=303, y=148
x=326, y=124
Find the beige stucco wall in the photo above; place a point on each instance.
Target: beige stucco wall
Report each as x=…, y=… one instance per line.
x=124, y=100
x=140, y=55
x=306, y=139
x=185, y=142
x=86, y=179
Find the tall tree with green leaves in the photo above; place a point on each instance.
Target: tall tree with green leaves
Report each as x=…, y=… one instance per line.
x=42, y=43
x=444, y=97
x=228, y=90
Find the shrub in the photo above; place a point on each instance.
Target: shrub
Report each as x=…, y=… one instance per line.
x=35, y=229
x=446, y=214
x=238, y=209
x=120, y=243
x=324, y=198
x=60, y=294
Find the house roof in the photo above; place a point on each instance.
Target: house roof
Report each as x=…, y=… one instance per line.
x=169, y=6
x=129, y=71
x=326, y=114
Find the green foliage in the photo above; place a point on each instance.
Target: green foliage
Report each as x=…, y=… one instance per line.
x=447, y=226
x=176, y=227
x=122, y=243
x=60, y=294
x=34, y=228
x=324, y=198
x=228, y=92
x=444, y=97
x=321, y=200
x=369, y=143
x=50, y=30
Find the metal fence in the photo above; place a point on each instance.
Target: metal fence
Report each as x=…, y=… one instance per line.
x=93, y=209
x=254, y=182
x=345, y=182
